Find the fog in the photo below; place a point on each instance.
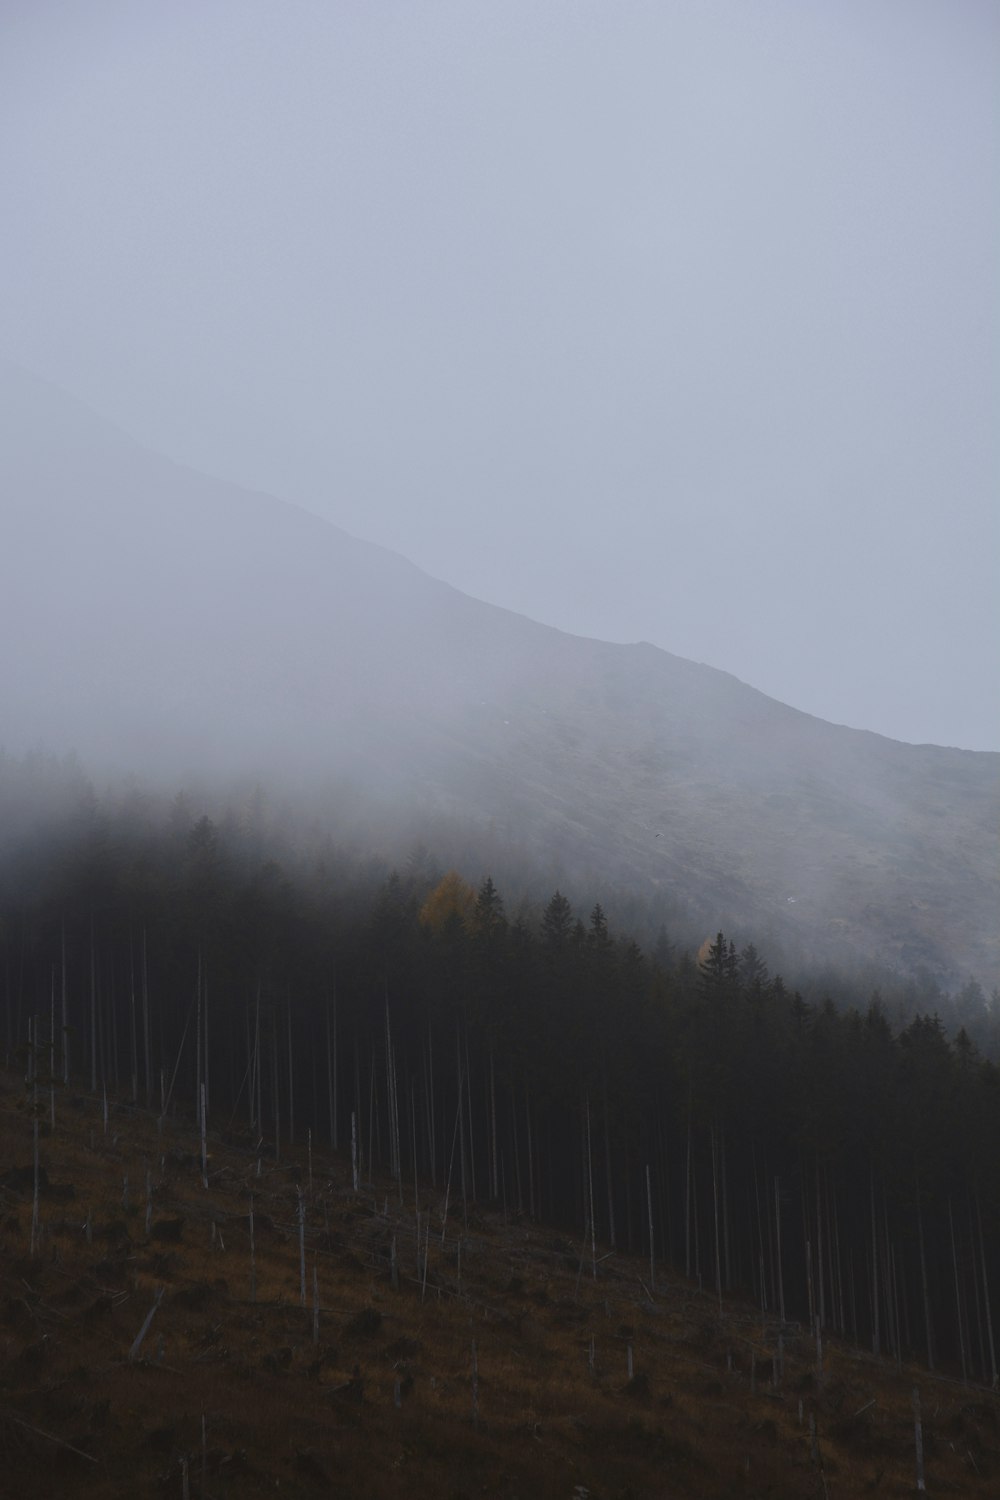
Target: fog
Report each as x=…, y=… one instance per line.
x=673, y=323
x=173, y=627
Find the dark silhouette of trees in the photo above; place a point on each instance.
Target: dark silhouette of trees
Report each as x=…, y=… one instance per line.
x=551, y=1063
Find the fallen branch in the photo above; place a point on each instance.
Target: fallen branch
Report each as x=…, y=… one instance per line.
x=8, y=1416
x=133, y=1353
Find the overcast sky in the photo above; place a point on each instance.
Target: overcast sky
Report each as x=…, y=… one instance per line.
x=674, y=321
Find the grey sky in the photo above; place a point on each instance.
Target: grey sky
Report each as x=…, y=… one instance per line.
x=674, y=321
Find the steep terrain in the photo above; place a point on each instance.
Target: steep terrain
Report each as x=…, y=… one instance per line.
x=159, y=620
x=497, y=1359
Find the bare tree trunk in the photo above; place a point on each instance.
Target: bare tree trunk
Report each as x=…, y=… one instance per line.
x=252, y=1256
x=204, y=1053
x=842, y=1324
x=687, y=1200
x=65, y=1016
x=986, y=1300
x=291, y=1080
x=820, y=1298
x=330, y=1084
x=145, y=1024
x=451, y=1164
x=34, y=1198
x=93, y=1012
x=725, y=1207
x=372, y=1120
x=197, y=1045
x=760, y=1234
x=876, y=1340
x=392, y=1106
x=52, y=1053
x=923, y=1284
x=612, y=1240
x=461, y=1145
x=649, y=1210
x=277, y=1093
x=493, y=1130
x=715, y=1206
x=133, y=1028
x=777, y=1229
x=259, y=1065
x=891, y=1299
x=531, y=1157
x=133, y=1353
x=918, y=1433
x=203, y=1114
x=590, y=1188
x=517, y=1154
x=302, y=1247
x=431, y=1129
x=468, y=1102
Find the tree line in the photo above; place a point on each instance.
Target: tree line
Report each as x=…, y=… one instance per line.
x=685, y=1105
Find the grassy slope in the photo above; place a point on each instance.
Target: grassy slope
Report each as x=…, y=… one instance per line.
x=322, y=1418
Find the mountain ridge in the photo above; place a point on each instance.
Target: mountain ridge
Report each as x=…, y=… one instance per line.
x=166, y=619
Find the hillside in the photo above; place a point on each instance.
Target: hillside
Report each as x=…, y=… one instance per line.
x=166, y=621
x=368, y=1388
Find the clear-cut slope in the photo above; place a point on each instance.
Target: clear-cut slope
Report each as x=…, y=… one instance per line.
x=156, y=619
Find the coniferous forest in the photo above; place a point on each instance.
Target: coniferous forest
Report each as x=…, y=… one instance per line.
x=688, y=1106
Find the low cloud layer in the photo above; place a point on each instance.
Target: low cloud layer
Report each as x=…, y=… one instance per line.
x=666, y=323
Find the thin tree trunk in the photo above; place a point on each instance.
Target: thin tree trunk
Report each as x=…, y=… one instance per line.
x=274, y=1078
x=612, y=1240
x=493, y=1130
x=65, y=1015
x=253, y=1257
x=531, y=1157
x=725, y=1207
x=93, y=1012
x=134, y=1040
x=820, y=1298
x=291, y=1080
x=687, y=1200
x=590, y=1188
x=197, y=1054
x=302, y=1247
x=958, y=1295
x=145, y=1025
x=715, y=1206
x=330, y=1085
x=986, y=1299
x=204, y=1052
x=468, y=1102
x=876, y=1340
x=923, y=1284
x=777, y=1233
x=649, y=1210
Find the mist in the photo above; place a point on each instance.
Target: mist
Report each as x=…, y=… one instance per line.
x=674, y=324
x=557, y=439
x=176, y=628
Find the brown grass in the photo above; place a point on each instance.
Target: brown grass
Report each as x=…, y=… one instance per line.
x=283, y=1412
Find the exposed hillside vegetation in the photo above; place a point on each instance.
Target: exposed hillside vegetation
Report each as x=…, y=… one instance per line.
x=326, y=1339
x=687, y=1108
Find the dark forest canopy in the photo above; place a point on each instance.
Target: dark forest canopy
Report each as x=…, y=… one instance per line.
x=835, y=1160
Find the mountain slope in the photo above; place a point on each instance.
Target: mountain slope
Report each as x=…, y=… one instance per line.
x=588, y=1380
x=157, y=619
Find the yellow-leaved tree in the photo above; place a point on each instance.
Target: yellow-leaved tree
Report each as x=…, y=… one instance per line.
x=452, y=898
